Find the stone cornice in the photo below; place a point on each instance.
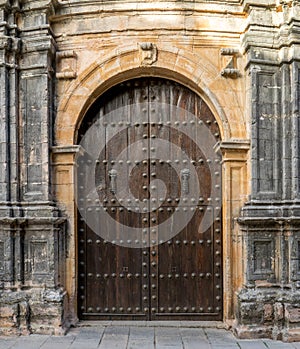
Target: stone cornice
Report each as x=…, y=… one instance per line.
x=234, y=145
x=32, y=220
x=279, y=27
x=29, y=5
x=271, y=222
x=270, y=213
x=67, y=149
x=247, y=4
x=90, y=7
x=42, y=43
x=39, y=5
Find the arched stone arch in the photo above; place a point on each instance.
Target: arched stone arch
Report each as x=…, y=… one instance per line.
x=124, y=63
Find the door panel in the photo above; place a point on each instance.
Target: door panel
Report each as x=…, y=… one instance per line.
x=150, y=176
x=185, y=272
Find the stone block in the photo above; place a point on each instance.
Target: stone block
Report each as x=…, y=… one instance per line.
x=292, y=335
x=268, y=312
x=8, y=312
x=292, y=313
x=278, y=311
x=251, y=312
x=250, y=332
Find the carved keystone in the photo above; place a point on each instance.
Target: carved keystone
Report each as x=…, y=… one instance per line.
x=148, y=53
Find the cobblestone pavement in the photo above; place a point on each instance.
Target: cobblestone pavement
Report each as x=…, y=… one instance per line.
x=118, y=336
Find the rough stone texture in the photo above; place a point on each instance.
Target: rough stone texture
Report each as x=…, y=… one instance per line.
x=32, y=299
x=57, y=57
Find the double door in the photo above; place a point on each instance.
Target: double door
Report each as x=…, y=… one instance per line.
x=154, y=247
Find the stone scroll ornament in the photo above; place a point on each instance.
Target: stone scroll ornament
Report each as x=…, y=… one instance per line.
x=133, y=154
x=231, y=70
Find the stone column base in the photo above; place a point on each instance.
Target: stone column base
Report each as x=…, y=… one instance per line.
x=32, y=311
x=32, y=272
x=271, y=312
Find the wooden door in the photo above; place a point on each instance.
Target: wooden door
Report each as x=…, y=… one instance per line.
x=154, y=250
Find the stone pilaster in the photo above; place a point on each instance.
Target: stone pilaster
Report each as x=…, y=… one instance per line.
x=268, y=302
x=235, y=183
x=32, y=232
x=36, y=100
x=5, y=43
x=64, y=180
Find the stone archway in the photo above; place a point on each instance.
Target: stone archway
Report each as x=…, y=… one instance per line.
x=192, y=71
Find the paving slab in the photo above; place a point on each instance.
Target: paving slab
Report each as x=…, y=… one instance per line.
x=115, y=337
x=30, y=342
x=58, y=342
x=89, y=337
x=252, y=344
x=278, y=344
x=225, y=346
x=7, y=343
x=194, y=338
x=112, y=335
x=216, y=336
x=168, y=337
x=140, y=337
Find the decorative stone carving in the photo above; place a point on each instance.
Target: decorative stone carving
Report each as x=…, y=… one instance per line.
x=66, y=65
x=231, y=70
x=148, y=53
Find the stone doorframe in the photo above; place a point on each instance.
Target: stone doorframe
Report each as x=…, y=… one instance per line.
x=202, y=77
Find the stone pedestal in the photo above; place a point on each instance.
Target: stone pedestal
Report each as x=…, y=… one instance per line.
x=268, y=303
x=32, y=253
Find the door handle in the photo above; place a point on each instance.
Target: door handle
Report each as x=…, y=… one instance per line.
x=185, y=176
x=113, y=180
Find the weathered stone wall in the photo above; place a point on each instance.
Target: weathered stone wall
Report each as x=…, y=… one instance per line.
x=242, y=57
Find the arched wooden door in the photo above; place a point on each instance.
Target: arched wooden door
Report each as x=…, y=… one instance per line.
x=154, y=247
